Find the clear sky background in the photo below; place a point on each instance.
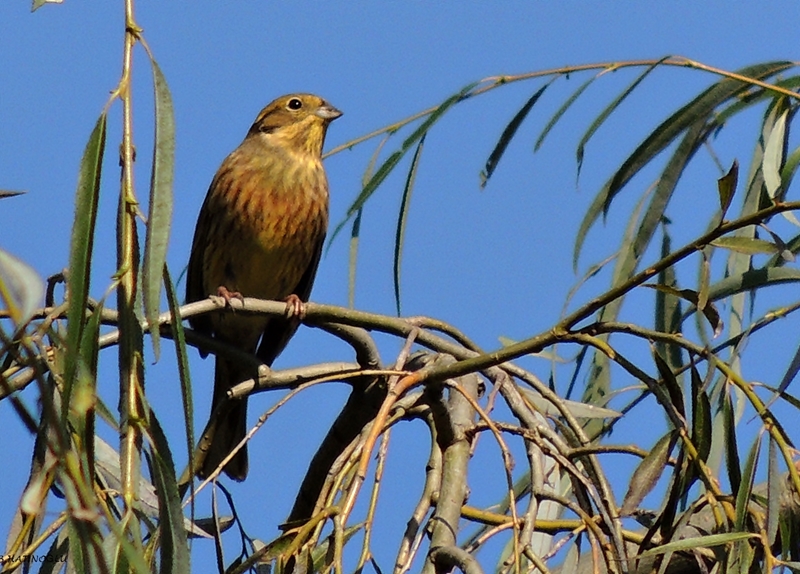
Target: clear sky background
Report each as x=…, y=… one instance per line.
x=495, y=262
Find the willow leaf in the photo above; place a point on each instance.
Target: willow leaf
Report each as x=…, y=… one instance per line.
x=391, y=162
x=508, y=134
x=159, y=217
x=746, y=486
x=81, y=244
x=647, y=473
x=698, y=110
x=561, y=111
x=609, y=109
x=746, y=245
x=774, y=153
x=726, y=185
x=172, y=533
x=402, y=217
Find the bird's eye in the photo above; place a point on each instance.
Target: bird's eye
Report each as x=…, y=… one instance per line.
x=294, y=104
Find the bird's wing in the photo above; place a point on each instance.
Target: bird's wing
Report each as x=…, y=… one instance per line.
x=278, y=331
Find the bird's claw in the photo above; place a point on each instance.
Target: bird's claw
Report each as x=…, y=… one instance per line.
x=295, y=308
x=223, y=292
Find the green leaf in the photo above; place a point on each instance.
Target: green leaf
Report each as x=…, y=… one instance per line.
x=648, y=472
x=698, y=542
x=701, y=417
x=667, y=182
x=577, y=409
x=755, y=96
x=773, y=152
x=81, y=243
x=668, y=307
x=731, y=448
x=709, y=311
x=21, y=288
x=355, y=234
x=753, y=279
x=184, y=374
x=391, y=162
x=670, y=382
x=174, y=545
x=508, y=134
x=609, y=109
x=561, y=111
x=746, y=486
x=598, y=383
x=776, y=486
x=159, y=217
x=84, y=395
x=699, y=110
x=780, y=245
x=746, y=245
x=727, y=187
x=405, y=204
x=356, y=228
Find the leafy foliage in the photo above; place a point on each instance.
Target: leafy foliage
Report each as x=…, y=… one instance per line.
x=125, y=510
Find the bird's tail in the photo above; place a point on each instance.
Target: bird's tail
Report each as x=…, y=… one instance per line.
x=227, y=427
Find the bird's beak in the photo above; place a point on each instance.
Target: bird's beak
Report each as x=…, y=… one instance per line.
x=327, y=112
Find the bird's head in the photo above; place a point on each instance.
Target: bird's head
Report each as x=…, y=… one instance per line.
x=296, y=120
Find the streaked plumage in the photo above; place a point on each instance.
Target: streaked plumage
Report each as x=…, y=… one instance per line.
x=259, y=234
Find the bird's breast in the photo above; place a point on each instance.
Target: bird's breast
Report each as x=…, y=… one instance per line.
x=276, y=214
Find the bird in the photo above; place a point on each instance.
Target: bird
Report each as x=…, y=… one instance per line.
x=259, y=234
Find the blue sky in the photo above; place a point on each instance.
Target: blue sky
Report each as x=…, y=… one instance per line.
x=495, y=262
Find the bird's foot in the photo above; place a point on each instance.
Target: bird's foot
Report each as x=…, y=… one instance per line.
x=295, y=308
x=223, y=292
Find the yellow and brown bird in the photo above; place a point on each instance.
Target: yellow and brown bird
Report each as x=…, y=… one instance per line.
x=259, y=234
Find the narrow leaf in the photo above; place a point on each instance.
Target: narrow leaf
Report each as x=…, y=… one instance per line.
x=356, y=228
x=776, y=486
x=508, y=135
x=160, y=210
x=731, y=448
x=174, y=545
x=184, y=374
x=704, y=281
x=708, y=541
x=701, y=417
x=670, y=382
x=753, y=279
x=773, y=153
x=402, y=217
x=81, y=243
x=561, y=111
x=668, y=307
x=727, y=187
x=355, y=234
x=746, y=486
x=609, y=109
x=780, y=245
x=746, y=245
x=10, y=193
x=647, y=474
x=709, y=311
x=577, y=409
x=698, y=110
x=391, y=162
